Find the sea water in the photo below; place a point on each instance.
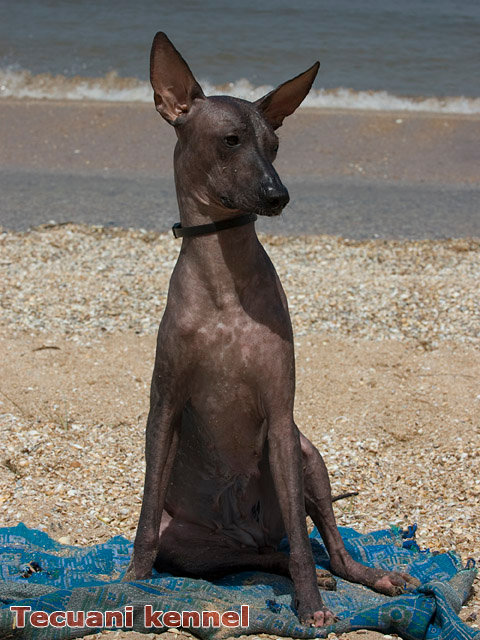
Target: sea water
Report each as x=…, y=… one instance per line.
x=375, y=54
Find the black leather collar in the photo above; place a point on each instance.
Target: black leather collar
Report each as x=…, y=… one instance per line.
x=212, y=227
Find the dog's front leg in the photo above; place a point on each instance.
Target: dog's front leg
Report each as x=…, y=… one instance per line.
x=160, y=449
x=286, y=468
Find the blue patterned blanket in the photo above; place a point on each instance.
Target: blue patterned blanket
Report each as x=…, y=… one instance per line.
x=40, y=575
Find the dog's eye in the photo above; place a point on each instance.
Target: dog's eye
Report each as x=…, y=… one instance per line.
x=275, y=148
x=231, y=141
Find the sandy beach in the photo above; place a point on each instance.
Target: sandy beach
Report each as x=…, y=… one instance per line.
x=131, y=138
x=387, y=364
x=387, y=330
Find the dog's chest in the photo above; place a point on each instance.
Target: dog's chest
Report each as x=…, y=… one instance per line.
x=222, y=381
x=227, y=342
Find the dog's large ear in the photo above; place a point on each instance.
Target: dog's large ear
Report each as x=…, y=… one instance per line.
x=282, y=101
x=173, y=83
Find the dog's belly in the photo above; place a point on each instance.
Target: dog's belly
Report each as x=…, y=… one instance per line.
x=221, y=479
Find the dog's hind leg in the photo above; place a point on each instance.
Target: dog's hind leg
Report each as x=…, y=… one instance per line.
x=189, y=549
x=318, y=505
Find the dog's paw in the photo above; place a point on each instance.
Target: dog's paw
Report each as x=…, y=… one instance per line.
x=321, y=618
x=138, y=570
x=390, y=583
x=325, y=580
x=393, y=583
x=129, y=574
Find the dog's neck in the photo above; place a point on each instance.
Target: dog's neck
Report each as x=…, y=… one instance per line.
x=225, y=263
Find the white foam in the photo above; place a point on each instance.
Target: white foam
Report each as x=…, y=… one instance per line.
x=349, y=99
x=384, y=101
x=113, y=88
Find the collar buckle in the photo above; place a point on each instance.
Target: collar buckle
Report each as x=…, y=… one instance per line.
x=176, y=227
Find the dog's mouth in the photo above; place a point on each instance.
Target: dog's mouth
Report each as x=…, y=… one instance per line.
x=271, y=212
x=260, y=208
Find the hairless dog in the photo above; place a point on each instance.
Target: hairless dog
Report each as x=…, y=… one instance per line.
x=228, y=472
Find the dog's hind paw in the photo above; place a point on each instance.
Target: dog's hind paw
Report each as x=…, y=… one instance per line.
x=325, y=580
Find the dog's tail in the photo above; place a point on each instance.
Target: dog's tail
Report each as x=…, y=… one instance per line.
x=341, y=496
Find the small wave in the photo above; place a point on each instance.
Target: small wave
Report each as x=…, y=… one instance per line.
x=342, y=98
x=113, y=88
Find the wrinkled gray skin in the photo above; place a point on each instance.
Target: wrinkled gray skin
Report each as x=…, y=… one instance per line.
x=228, y=472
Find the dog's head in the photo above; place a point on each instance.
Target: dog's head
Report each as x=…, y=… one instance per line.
x=226, y=146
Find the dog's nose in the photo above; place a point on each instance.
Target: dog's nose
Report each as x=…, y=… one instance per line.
x=277, y=197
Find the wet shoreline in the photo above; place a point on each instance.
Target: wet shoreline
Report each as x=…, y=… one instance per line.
x=352, y=174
